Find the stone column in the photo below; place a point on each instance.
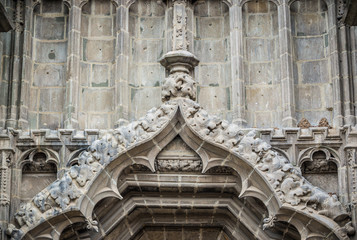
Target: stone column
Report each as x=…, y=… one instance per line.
x=286, y=66
x=179, y=62
x=16, y=67
x=23, y=122
x=346, y=76
x=237, y=51
x=73, y=63
x=122, y=63
x=335, y=65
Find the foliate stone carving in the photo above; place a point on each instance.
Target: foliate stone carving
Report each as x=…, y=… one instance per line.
x=13, y=232
x=318, y=161
x=92, y=225
x=286, y=179
x=64, y=192
x=304, y=123
x=180, y=41
x=341, y=10
x=171, y=165
x=324, y=123
x=27, y=215
x=179, y=84
x=19, y=18
x=269, y=222
x=352, y=162
x=5, y=161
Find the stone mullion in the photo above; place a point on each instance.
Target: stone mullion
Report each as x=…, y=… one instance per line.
x=122, y=64
x=26, y=66
x=286, y=66
x=345, y=75
x=237, y=67
x=335, y=66
x=73, y=64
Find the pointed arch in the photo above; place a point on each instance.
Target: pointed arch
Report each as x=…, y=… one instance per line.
x=265, y=174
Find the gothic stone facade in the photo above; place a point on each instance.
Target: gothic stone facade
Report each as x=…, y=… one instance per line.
x=178, y=119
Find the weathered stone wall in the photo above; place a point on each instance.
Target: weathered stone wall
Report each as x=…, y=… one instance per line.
x=256, y=67
x=147, y=27
x=49, y=58
x=212, y=47
x=312, y=75
x=97, y=66
x=261, y=64
x=5, y=54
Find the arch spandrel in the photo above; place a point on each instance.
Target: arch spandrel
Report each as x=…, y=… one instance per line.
x=265, y=174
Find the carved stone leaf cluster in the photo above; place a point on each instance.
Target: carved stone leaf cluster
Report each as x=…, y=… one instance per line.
x=286, y=179
x=63, y=193
x=179, y=84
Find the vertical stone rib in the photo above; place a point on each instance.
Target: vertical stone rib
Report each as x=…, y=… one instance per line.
x=26, y=66
x=353, y=81
x=16, y=67
x=122, y=64
x=73, y=59
x=286, y=66
x=335, y=71
x=346, y=75
x=237, y=51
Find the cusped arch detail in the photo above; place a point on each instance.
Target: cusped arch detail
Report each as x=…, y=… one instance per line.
x=266, y=174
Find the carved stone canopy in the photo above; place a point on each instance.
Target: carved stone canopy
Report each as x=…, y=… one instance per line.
x=264, y=174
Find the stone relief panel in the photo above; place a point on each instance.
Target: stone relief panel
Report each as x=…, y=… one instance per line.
x=39, y=169
x=261, y=64
x=178, y=157
x=97, y=64
x=319, y=167
x=148, y=33
x=49, y=59
x=212, y=47
x=311, y=48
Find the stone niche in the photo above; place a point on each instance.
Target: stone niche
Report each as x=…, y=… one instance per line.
x=261, y=63
x=148, y=43
x=97, y=64
x=38, y=172
x=211, y=45
x=178, y=157
x=49, y=60
x=312, y=60
x=321, y=170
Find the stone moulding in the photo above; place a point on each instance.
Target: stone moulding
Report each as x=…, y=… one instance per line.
x=265, y=173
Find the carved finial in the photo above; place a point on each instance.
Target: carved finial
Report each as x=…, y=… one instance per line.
x=92, y=225
x=269, y=222
x=324, y=123
x=179, y=83
x=304, y=123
